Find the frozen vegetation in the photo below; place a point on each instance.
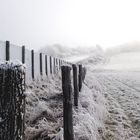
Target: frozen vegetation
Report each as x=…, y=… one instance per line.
x=109, y=104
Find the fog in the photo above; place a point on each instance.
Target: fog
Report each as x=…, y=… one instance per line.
x=70, y=23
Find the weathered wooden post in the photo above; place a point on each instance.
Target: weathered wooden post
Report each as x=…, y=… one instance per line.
x=7, y=50
x=80, y=77
x=59, y=64
x=67, y=103
x=32, y=59
x=12, y=99
x=46, y=64
x=54, y=66
x=41, y=72
x=50, y=65
x=23, y=54
x=75, y=85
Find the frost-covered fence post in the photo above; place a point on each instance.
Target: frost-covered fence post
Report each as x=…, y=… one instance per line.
x=41, y=72
x=46, y=64
x=67, y=103
x=54, y=66
x=80, y=77
x=59, y=64
x=23, y=54
x=75, y=84
x=32, y=59
x=12, y=102
x=7, y=51
x=50, y=65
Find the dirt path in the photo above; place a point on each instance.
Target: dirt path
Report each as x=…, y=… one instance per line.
x=123, y=104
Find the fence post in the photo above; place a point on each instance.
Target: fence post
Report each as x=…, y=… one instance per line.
x=32, y=59
x=7, y=50
x=67, y=103
x=41, y=72
x=75, y=84
x=23, y=54
x=80, y=77
x=12, y=98
x=46, y=64
x=59, y=64
x=54, y=65
x=50, y=64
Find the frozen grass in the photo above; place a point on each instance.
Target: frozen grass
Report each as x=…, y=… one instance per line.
x=44, y=115
x=108, y=104
x=44, y=110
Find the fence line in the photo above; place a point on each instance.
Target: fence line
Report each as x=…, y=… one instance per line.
x=38, y=65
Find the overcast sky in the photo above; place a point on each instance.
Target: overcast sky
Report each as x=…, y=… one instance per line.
x=37, y=23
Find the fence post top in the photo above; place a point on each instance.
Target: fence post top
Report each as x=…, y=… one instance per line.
x=73, y=65
x=7, y=41
x=66, y=67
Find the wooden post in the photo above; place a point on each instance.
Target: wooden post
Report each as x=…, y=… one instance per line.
x=46, y=64
x=50, y=64
x=67, y=103
x=32, y=59
x=41, y=72
x=7, y=50
x=54, y=67
x=75, y=85
x=80, y=77
x=59, y=64
x=56, y=64
x=23, y=54
x=56, y=61
x=12, y=88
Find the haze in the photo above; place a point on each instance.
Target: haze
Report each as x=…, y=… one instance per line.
x=36, y=23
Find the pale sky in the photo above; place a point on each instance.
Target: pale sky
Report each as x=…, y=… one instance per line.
x=37, y=23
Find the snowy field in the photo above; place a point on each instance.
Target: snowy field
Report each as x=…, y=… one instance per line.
x=119, y=78
x=109, y=104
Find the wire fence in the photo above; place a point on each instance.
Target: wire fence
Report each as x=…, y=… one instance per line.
x=12, y=88
x=38, y=64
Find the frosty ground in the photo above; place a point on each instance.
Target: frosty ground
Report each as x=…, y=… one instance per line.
x=109, y=104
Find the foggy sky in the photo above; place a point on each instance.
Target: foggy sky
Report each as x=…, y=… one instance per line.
x=36, y=23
